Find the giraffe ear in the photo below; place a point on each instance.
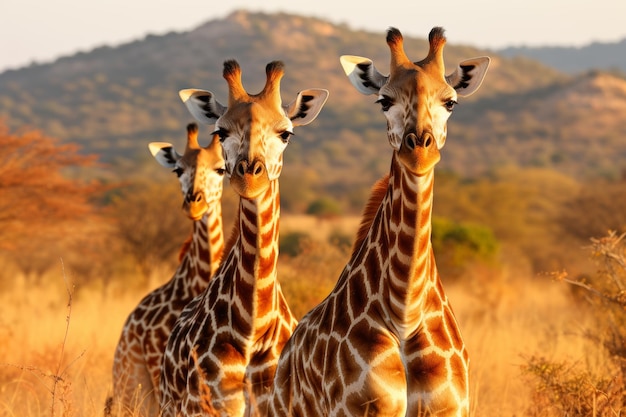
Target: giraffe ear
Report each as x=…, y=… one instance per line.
x=307, y=105
x=469, y=75
x=362, y=74
x=164, y=153
x=202, y=105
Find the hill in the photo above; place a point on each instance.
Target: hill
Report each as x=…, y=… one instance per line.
x=608, y=56
x=113, y=101
x=573, y=126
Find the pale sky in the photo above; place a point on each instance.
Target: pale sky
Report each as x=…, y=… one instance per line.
x=43, y=30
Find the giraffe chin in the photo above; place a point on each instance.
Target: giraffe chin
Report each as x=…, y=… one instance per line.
x=196, y=211
x=195, y=216
x=420, y=161
x=249, y=186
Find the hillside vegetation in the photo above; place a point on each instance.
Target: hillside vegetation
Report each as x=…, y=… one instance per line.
x=532, y=169
x=521, y=154
x=113, y=101
x=607, y=55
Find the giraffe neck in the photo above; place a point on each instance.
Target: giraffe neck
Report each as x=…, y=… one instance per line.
x=254, y=284
x=205, y=251
x=411, y=273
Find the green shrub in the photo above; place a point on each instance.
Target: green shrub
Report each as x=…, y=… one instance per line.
x=458, y=245
x=324, y=207
x=291, y=244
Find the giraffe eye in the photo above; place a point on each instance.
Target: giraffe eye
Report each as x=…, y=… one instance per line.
x=178, y=171
x=385, y=102
x=286, y=135
x=220, y=171
x=449, y=105
x=222, y=133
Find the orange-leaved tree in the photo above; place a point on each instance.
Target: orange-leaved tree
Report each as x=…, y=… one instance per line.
x=46, y=211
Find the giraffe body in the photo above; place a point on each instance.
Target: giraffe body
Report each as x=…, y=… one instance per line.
x=222, y=354
x=385, y=342
x=138, y=355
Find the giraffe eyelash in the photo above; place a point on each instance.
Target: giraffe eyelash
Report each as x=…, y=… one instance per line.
x=286, y=135
x=222, y=133
x=449, y=104
x=385, y=102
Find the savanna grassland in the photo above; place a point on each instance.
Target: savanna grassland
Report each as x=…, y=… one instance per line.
x=531, y=182
x=58, y=339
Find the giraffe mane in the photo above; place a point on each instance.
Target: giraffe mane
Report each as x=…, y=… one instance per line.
x=379, y=189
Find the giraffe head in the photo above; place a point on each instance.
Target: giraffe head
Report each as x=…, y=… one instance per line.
x=200, y=170
x=254, y=128
x=417, y=98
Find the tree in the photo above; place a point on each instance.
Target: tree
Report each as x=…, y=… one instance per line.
x=42, y=206
x=150, y=224
x=597, y=208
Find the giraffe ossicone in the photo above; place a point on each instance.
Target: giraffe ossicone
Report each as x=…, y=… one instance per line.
x=223, y=351
x=385, y=341
x=138, y=354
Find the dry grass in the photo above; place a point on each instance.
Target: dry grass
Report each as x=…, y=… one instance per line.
x=40, y=351
x=505, y=317
x=530, y=318
x=319, y=229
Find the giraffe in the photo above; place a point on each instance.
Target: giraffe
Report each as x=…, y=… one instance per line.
x=138, y=355
x=385, y=341
x=222, y=353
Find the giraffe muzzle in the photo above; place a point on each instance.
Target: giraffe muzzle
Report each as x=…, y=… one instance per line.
x=249, y=179
x=411, y=140
x=195, y=205
x=421, y=154
x=254, y=168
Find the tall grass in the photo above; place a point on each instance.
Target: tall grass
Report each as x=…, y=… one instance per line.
x=57, y=346
x=57, y=342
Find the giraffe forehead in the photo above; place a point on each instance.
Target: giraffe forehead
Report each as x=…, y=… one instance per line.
x=254, y=115
x=417, y=81
x=190, y=157
x=201, y=164
x=209, y=159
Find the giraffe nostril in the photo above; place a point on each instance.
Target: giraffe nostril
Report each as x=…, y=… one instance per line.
x=410, y=141
x=258, y=168
x=198, y=198
x=427, y=139
x=241, y=168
